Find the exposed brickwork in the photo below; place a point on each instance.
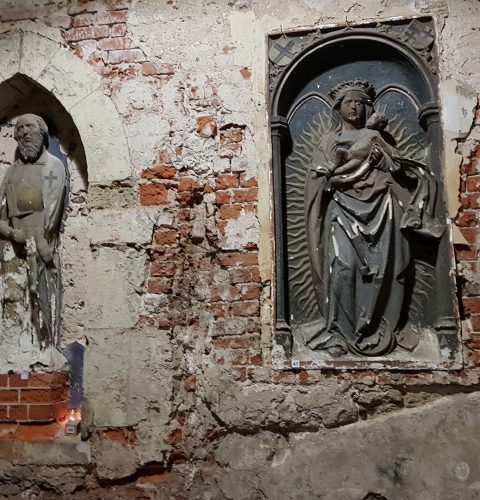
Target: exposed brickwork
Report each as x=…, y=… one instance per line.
x=205, y=292
x=39, y=397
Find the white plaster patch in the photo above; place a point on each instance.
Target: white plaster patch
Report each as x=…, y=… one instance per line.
x=134, y=94
x=241, y=231
x=145, y=133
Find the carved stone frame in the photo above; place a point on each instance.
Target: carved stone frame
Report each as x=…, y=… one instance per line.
x=287, y=54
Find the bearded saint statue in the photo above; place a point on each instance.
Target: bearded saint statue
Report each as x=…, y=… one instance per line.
x=32, y=199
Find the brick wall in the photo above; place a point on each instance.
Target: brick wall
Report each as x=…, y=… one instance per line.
x=34, y=397
x=203, y=287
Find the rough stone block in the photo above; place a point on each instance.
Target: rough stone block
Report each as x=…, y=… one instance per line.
x=107, y=154
x=428, y=453
x=113, y=279
x=33, y=61
x=128, y=376
x=243, y=407
x=130, y=225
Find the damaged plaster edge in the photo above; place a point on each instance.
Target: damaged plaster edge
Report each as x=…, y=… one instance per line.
x=356, y=23
x=458, y=104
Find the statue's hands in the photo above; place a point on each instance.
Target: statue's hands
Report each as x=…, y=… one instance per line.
x=376, y=153
x=18, y=236
x=325, y=171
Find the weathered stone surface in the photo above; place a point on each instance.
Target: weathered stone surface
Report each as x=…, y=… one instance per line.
x=107, y=154
x=113, y=278
x=34, y=46
x=125, y=226
x=9, y=53
x=114, y=460
x=268, y=406
x=107, y=196
x=71, y=451
x=403, y=455
x=128, y=376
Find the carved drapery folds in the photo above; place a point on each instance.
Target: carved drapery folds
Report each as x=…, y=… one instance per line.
x=362, y=250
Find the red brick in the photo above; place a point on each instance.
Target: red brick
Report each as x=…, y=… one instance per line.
x=163, y=269
x=185, y=199
x=117, y=17
x=219, y=309
x=256, y=359
x=245, y=308
x=159, y=172
x=8, y=396
x=4, y=380
x=189, y=184
x=126, y=56
x=238, y=259
x=246, y=182
x=243, y=342
x=7, y=431
x=473, y=183
x=251, y=291
x=467, y=218
x=463, y=252
x=83, y=20
x=3, y=413
x=149, y=68
x=41, y=432
x=246, y=73
x=42, y=380
x=159, y=285
x=245, y=195
x=471, y=305
x=116, y=44
x=470, y=200
x=471, y=234
x=226, y=181
x=230, y=211
x=206, y=126
x=153, y=194
x=117, y=30
x=245, y=275
x=42, y=413
x=42, y=395
x=15, y=380
x=475, y=322
x=223, y=198
x=88, y=33
x=165, y=237
x=18, y=412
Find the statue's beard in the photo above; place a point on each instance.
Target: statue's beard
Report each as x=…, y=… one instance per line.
x=30, y=152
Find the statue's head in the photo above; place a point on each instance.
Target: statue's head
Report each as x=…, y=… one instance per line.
x=31, y=134
x=352, y=103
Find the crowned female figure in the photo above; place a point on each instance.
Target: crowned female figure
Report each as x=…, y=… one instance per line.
x=357, y=220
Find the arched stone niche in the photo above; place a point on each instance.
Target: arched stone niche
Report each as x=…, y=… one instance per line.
x=399, y=60
x=38, y=75
x=79, y=90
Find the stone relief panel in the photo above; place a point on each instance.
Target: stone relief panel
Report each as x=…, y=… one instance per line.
x=362, y=247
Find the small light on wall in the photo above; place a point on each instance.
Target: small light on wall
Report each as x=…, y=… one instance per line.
x=72, y=422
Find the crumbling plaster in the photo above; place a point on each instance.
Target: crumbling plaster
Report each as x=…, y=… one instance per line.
x=222, y=437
